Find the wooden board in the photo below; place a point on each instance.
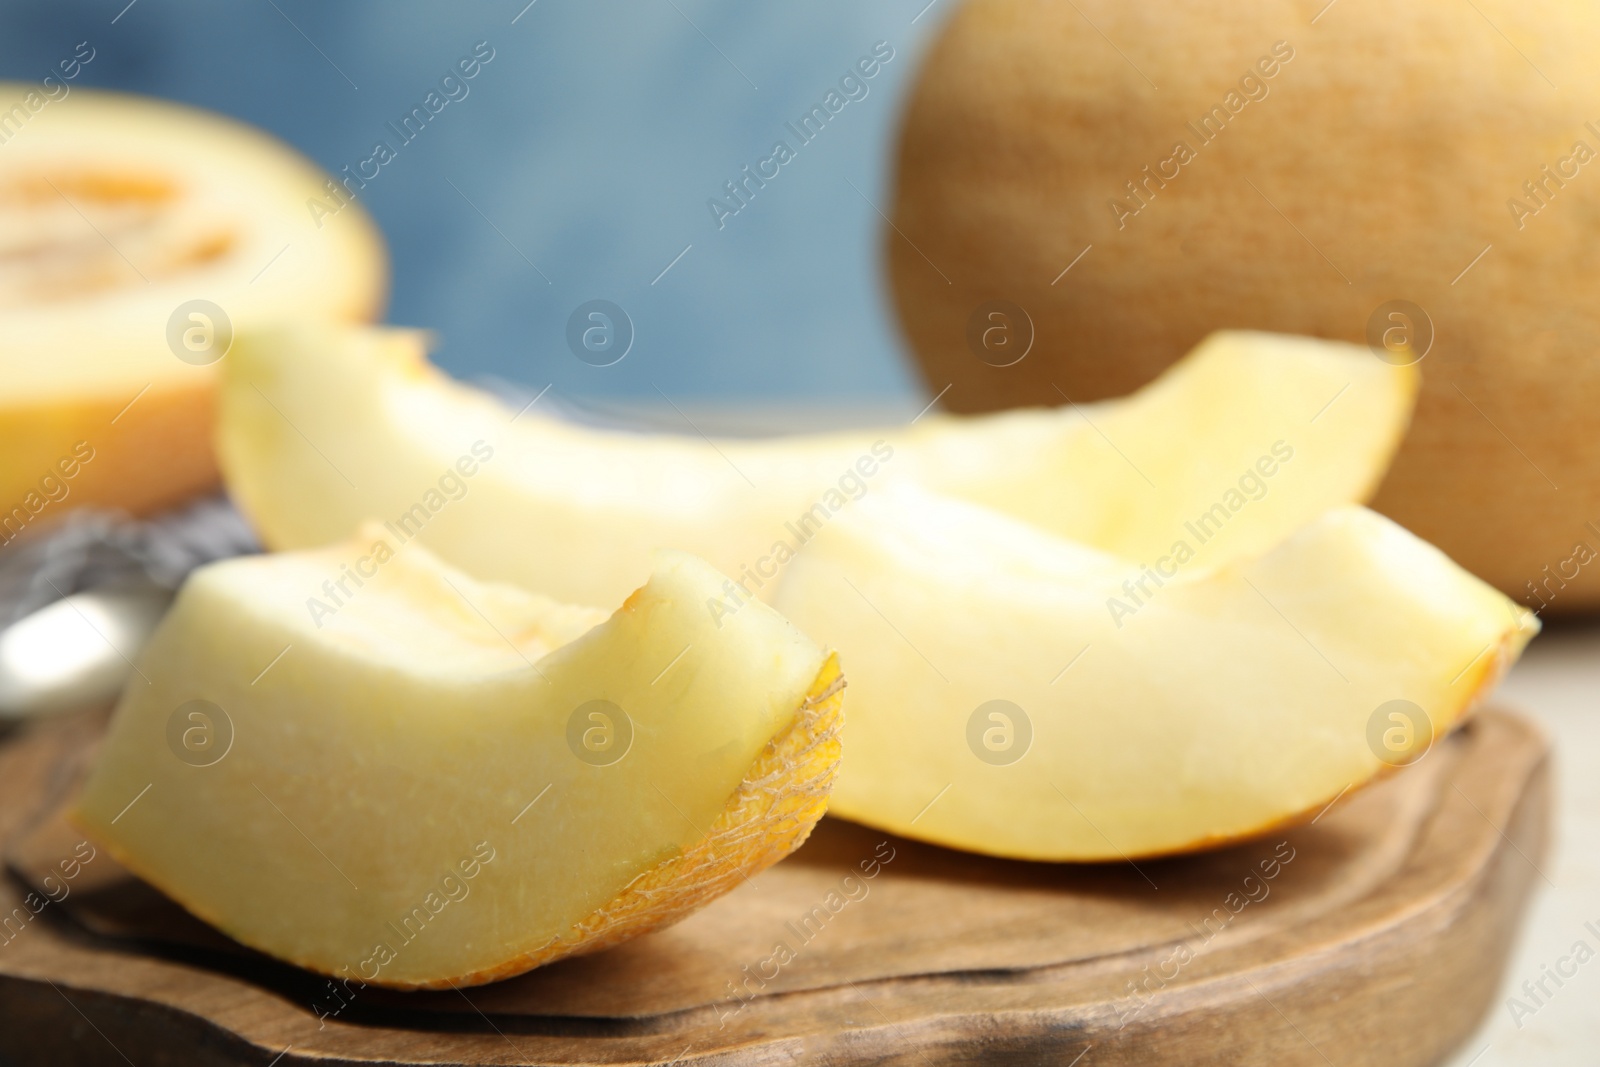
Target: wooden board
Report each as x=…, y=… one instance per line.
x=1375, y=936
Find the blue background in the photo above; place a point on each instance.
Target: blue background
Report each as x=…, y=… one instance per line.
x=592, y=141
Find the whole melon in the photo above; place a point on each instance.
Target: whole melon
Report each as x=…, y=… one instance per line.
x=1086, y=189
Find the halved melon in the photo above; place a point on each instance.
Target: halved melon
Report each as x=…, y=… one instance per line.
x=322, y=427
x=117, y=213
x=1020, y=694
x=364, y=762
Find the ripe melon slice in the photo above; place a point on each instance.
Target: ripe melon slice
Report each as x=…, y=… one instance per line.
x=322, y=427
x=115, y=212
x=411, y=779
x=1216, y=702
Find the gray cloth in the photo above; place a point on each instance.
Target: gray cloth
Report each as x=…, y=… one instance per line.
x=97, y=548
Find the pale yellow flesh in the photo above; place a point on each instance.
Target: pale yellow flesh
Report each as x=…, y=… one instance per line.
x=1275, y=428
x=1233, y=698
x=196, y=205
x=423, y=726
x=322, y=428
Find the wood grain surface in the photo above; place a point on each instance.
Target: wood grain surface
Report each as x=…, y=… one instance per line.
x=1373, y=936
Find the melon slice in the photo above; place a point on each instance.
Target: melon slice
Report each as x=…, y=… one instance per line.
x=1019, y=694
x=368, y=764
x=115, y=213
x=324, y=427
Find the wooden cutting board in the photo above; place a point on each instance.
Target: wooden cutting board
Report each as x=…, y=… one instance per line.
x=1374, y=936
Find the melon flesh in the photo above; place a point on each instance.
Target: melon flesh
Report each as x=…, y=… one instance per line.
x=322, y=428
x=401, y=798
x=1211, y=706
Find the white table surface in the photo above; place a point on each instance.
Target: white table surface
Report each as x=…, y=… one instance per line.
x=1558, y=683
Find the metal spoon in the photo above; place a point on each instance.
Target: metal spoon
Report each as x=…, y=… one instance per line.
x=78, y=651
